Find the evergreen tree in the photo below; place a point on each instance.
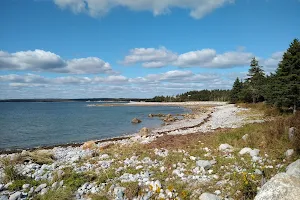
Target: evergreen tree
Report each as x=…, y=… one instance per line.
x=255, y=80
x=236, y=91
x=287, y=78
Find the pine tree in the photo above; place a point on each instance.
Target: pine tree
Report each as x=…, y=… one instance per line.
x=254, y=82
x=236, y=90
x=288, y=77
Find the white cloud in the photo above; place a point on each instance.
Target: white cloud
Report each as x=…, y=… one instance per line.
x=95, y=8
x=150, y=57
x=46, y=61
x=206, y=58
x=271, y=64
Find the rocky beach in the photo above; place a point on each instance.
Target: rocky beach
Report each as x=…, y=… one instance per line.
x=207, y=154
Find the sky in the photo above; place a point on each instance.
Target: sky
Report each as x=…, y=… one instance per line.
x=137, y=48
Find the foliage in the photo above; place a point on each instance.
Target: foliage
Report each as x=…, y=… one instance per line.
x=281, y=89
x=202, y=95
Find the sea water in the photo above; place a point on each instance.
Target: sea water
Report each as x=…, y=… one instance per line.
x=28, y=125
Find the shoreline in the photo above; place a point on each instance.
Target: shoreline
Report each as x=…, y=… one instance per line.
x=191, y=106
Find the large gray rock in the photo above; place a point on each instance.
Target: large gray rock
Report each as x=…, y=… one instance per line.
x=281, y=187
x=40, y=187
x=294, y=169
x=204, y=163
x=209, y=196
x=15, y=196
x=1, y=187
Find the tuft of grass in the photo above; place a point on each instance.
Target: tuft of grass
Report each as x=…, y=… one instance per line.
x=132, y=189
x=10, y=172
x=74, y=180
x=58, y=194
x=37, y=156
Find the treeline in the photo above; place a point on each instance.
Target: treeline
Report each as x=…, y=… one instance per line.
x=202, y=95
x=281, y=89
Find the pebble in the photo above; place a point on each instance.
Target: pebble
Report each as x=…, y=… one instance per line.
x=25, y=186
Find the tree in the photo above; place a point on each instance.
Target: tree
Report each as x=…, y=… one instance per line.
x=288, y=77
x=254, y=82
x=236, y=91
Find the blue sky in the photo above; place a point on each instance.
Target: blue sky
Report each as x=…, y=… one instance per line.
x=125, y=48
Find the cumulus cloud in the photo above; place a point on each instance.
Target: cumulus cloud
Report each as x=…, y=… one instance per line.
x=95, y=8
x=46, y=61
x=206, y=58
x=271, y=64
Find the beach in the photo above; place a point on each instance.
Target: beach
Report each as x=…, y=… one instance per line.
x=111, y=156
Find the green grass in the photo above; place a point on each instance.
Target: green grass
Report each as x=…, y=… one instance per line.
x=57, y=194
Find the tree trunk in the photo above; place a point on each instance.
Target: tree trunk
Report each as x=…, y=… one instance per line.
x=295, y=108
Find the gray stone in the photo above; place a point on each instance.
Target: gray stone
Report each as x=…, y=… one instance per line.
x=44, y=191
x=136, y=121
x=1, y=187
x=204, y=163
x=119, y=193
x=40, y=187
x=294, y=169
x=225, y=147
x=54, y=185
x=245, y=137
x=3, y=197
x=292, y=133
x=289, y=152
x=25, y=186
x=254, y=152
x=209, y=196
x=61, y=183
x=258, y=172
x=245, y=150
x=281, y=187
x=15, y=196
x=144, y=132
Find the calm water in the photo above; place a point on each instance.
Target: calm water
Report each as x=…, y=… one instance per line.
x=26, y=125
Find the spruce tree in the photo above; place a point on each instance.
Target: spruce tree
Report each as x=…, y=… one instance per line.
x=236, y=90
x=288, y=77
x=255, y=80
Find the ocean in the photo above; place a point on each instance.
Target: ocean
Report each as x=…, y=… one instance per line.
x=29, y=125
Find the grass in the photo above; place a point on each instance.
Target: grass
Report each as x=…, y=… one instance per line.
x=57, y=194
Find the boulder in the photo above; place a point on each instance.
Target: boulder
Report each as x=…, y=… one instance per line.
x=89, y=145
x=136, y=121
x=281, y=187
x=209, y=196
x=150, y=115
x=293, y=169
x=144, y=132
x=204, y=163
x=289, y=152
x=225, y=148
x=15, y=196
